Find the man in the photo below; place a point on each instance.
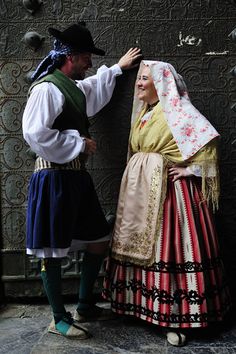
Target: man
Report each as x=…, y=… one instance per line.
x=63, y=207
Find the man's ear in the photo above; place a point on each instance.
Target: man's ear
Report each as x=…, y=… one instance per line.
x=70, y=58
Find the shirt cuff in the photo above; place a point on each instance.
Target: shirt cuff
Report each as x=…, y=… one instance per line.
x=195, y=170
x=116, y=69
x=83, y=144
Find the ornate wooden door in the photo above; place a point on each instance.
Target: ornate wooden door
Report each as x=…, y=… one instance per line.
x=192, y=35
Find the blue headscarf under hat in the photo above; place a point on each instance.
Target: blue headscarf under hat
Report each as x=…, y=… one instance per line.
x=52, y=60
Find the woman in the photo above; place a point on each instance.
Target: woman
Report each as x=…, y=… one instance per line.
x=165, y=266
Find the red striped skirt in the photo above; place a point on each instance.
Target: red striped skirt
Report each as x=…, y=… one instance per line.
x=186, y=286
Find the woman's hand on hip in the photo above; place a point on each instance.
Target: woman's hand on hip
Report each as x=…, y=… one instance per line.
x=177, y=172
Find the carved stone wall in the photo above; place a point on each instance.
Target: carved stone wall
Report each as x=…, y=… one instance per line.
x=192, y=35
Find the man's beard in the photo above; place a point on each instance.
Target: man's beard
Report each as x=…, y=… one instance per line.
x=78, y=76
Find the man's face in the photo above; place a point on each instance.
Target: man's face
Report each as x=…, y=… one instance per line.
x=80, y=64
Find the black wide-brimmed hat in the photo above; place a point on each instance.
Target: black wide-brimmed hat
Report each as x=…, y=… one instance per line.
x=78, y=37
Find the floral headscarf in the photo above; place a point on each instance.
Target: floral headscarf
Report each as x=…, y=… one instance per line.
x=190, y=129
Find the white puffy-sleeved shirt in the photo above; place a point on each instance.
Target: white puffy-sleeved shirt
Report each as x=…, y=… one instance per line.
x=45, y=104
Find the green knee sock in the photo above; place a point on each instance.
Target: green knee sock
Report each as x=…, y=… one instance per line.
x=51, y=276
x=91, y=266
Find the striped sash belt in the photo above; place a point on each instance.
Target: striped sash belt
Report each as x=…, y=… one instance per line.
x=41, y=164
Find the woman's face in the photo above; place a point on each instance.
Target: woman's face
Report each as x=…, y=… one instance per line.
x=146, y=88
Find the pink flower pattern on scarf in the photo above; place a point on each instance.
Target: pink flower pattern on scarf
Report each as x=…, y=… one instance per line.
x=190, y=129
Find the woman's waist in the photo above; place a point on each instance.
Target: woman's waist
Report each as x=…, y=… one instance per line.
x=151, y=156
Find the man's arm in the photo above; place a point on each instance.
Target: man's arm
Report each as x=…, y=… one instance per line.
x=99, y=88
x=43, y=106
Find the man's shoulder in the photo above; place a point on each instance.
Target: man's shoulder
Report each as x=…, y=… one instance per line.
x=45, y=89
x=41, y=85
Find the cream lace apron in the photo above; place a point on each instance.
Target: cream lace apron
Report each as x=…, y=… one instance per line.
x=141, y=198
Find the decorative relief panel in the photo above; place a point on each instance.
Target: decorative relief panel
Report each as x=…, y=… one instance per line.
x=13, y=228
x=192, y=35
x=128, y=10
x=13, y=77
x=179, y=38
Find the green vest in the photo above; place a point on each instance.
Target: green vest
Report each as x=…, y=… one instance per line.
x=74, y=114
